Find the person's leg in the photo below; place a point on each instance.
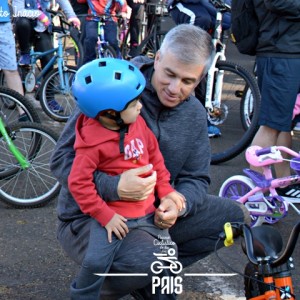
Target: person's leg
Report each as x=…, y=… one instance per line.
x=196, y=235
x=42, y=43
x=13, y=81
x=90, y=41
x=134, y=256
x=98, y=259
x=24, y=30
x=279, y=86
x=111, y=33
x=135, y=22
x=196, y=14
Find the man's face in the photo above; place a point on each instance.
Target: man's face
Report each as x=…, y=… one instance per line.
x=173, y=79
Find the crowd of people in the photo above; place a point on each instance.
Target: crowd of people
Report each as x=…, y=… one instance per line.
x=131, y=169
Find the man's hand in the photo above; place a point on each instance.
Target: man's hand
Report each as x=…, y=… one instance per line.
x=135, y=185
x=166, y=214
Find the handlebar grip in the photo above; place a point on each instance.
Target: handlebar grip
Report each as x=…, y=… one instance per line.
x=228, y=241
x=264, y=151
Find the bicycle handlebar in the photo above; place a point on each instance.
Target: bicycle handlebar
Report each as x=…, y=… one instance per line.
x=241, y=229
x=220, y=4
x=274, y=149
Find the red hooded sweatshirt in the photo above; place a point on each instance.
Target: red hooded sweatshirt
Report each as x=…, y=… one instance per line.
x=97, y=148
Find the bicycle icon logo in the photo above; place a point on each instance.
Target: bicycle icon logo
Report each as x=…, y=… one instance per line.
x=174, y=265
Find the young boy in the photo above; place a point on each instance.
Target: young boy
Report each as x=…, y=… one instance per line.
x=112, y=137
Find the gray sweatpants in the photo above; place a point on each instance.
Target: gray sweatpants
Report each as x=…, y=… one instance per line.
x=195, y=236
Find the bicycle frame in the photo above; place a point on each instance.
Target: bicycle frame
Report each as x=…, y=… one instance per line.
x=14, y=150
x=254, y=200
x=32, y=81
x=214, y=85
x=101, y=39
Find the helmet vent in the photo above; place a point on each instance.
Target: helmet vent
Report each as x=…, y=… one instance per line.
x=88, y=79
x=138, y=86
x=102, y=64
x=118, y=75
x=131, y=68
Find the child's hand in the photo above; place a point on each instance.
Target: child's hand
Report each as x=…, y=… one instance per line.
x=117, y=226
x=44, y=19
x=177, y=198
x=75, y=21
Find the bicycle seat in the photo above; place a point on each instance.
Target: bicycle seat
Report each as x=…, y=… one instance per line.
x=267, y=241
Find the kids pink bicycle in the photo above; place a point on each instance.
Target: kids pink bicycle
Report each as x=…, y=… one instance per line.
x=257, y=191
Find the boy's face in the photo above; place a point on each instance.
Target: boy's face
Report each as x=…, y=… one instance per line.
x=173, y=79
x=130, y=114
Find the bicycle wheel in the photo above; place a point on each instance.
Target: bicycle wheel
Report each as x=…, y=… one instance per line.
x=73, y=49
x=108, y=51
x=57, y=102
x=247, y=107
x=234, y=138
x=253, y=283
x=13, y=105
x=33, y=186
x=237, y=186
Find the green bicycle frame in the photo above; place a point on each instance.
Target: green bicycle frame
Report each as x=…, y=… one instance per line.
x=14, y=150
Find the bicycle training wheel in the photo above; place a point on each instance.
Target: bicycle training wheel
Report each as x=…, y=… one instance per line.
x=234, y=138
x=237, y=186
x=56, y=95
x=73, y=49
x=35, y=185
x=14, y=107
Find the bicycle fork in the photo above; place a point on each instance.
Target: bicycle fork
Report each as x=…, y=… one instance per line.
x=14, y=150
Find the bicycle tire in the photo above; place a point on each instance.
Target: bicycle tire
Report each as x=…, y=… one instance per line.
x=247, y=107
x=73, y=48
x=234, y=139
x=237, y=186
x=34, y=186
x=12, y=103
x=108, y=51
x=50, y=90
x=253, y=283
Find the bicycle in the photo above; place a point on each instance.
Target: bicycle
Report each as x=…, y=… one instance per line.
x=15, y=107
x=25, y=177
x=73, y=49
x=267, y=275
x=158, y=23
x=258, y=191
x=103, y=48
x=223, y=103
x=54, y=89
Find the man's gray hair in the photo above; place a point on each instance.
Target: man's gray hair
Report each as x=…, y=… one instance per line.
x=190, y=44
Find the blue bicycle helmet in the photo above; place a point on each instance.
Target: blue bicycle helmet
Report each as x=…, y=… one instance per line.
x=106, y=84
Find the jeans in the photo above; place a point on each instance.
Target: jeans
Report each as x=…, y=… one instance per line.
x=91, y=37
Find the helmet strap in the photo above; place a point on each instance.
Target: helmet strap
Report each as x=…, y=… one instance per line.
x=123, y=127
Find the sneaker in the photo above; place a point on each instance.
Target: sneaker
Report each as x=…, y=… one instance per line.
x=291, y=191
x=24, y=59
x=23, y=117
x=54, y=106
x=297, y=127
x=213, y=131
x=133, y=51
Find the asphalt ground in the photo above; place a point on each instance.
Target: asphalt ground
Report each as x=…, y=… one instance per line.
x=34, y=267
